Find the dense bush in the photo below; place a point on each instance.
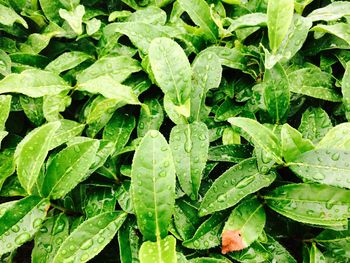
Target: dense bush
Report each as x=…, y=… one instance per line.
x=174, y=131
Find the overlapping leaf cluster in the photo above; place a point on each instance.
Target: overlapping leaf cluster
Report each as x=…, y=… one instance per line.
x=174, y=131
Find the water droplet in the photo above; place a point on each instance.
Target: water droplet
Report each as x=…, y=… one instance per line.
x=150, y=214
x=87, y=244
x=166, y=164
x=37, y=222
x=15, y=228
x=335, y=156
x=76, y=149
x=100, y=240
x=318, y=176
x=22, y=238
x=221, y=198
x=196, y=243
x=154, y=133
x=84, y=257
x=141, y=125
x=72, y=247
x=164, y=148
x=245, y=182
x=162, y=174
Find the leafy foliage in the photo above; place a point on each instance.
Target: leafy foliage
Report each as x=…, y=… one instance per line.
x=174, y=131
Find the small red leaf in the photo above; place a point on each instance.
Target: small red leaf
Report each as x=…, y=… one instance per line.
x=232, y=241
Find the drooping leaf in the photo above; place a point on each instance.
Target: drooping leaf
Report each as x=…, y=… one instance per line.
x=339, y=30
x=336, y=138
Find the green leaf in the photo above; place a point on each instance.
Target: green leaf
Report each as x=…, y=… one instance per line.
x=171, y=69
x=8, y=17
x=325, y=166
x=248, y=20
x=336, y=138
x=67, y=130
x=150, y=119
x=68, y=168
x=260, y=136
x=279, y=18
x=5, y=106
x=314, y=83
x=233, y=185
x=21, y=221
x=199, y=12
x=7, y=165
x=5, y=63
x=140, y=34
x=186, y=218
x=66, y=61
x=315, y=124
x=229, y=57
x=244, y=225
x=206, y=75
x=74, y=18
x=89, y=238
x=119, y=129
x=160, y=251
x=31, y=152
x=340, y=30
x=38, y=83
x=333, y=240
x=316, y=255
x=229, y=153
x=295, y=39
x=346, y=91
x=51, y=9
x=331, y=12
x=276, y=92
x=293, y=144
x=50, y=237
x=110, y=89
x=299, y=5
x=207, y=235
x=189, y=144
x=53, y=105
x=129, y=241
x=311, y=203
x=152, y=172
x=118, y=68
x=33, y=109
